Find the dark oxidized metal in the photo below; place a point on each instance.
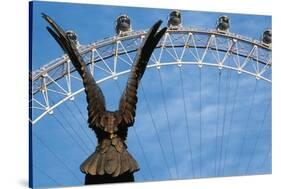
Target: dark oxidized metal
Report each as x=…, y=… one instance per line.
x=111, y=162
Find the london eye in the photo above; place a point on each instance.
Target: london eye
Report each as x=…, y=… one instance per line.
x=204, y=107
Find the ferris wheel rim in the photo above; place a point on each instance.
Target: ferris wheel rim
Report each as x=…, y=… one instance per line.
x=208, y=64
x=136, y=35
x=141, y=33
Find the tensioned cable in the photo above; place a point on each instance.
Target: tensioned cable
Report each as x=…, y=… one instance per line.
x=80, y=111
x=47, y=175
x=79, y=123
x=269, y=151
x=227, y=87
x=72, y=128
x=247, y=123
x=78, y=108
x=141, y=175
x=73, y=138
x=137, y=137
x=56, y=156
x=142, y=150
x=156, y=130
x=186, y=122
x=217, y=120
x=258, y=136
x=168, y=121
x=231, y=120
x=268, y=155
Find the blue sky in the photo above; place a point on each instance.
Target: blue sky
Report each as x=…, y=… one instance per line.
x=169, y=158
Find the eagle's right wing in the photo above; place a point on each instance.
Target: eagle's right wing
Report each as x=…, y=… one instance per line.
x=128, y=101
x=95, y=98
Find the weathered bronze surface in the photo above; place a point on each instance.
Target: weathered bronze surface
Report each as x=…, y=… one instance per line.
x=111, y=157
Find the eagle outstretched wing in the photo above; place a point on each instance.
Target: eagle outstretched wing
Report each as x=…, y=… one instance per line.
x=128, y=101
x=95, y=98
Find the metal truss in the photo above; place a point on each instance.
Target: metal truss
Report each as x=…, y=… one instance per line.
x=112, y=57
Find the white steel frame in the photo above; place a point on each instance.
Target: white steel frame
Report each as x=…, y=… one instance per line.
x=60, y=72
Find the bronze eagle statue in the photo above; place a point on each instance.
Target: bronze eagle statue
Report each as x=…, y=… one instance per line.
x=111, y=158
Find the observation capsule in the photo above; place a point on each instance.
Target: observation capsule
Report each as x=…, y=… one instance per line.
x=73, y=36
x=223, y=23
x=267, y=37
x=123, y=24
x=174, y=19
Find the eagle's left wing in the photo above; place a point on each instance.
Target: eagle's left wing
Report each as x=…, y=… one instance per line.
x=94, y=95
